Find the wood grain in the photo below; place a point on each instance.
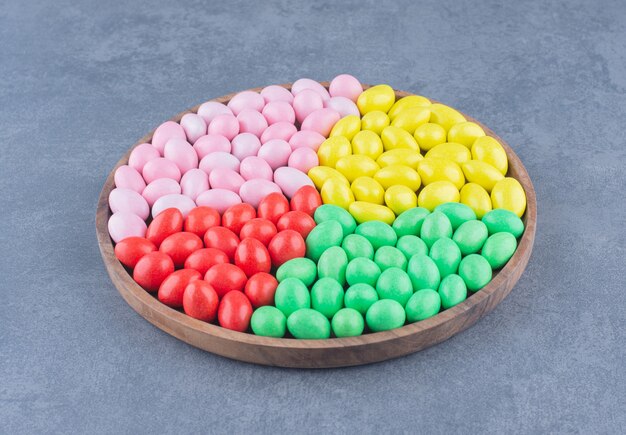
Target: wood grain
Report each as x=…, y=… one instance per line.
x=335, y=352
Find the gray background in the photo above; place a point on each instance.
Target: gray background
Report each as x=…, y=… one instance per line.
x=80, y=83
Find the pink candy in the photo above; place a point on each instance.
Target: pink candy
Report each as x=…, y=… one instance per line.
x=253, y=191
x=255, y=167
x=211, y=143
x=219, y=199
x=275, y=152
x=308, y=139
x=123, y=224
x=181, y=202
x=245, y=145
x=194, y=126
x=160, y=168
x=279, y=111
x=211, y=109
x=225, y=178
x=280, y=130
x=181, y=153
x=126, y=200
x=193, y=183
x=142, y=154
x=166, y=131
x=246, y=100
x=251, y=121
x=290, y=180
x=302, y=84
x=321, y=121
x=303, y=159
x=347, y=86
x=307, y=102
x=343, y=106
x=129, y=178
x=158, y=188
x=276, y=93
x=226, y=125
x=219, y=159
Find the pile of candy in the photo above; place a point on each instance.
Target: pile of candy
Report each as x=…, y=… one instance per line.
x=312, y=212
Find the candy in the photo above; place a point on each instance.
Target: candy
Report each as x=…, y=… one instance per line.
x=501, y=220
x=375, y=121
x=226, y=278
x=129, y=201
x=261, y=229
x=226, y=178
x=470, y=236
x=203, y=259
x=322, y=237
x=488, y=150
x=194, y=125
x=275, y=152
x=245, y=145
x=211, y=143
x=410, y=221
x=410, y=245
x=337, y=192
x=476, y=198
x=234, y=311
x=302, y=269
x=400, y=156
x=260, y=289
x=173, y=287
x=166, y=223
x=255, y=167
x=219, y=159
x=394, y=138
x=285, y=246
x=279, y=130
x=354, y=166
x=367, y=143
x=321, y=121
x=437, y=193
x=276, y=93
x=482, y=174
x=251, y=121
x=445, y=116
x=475, y=271
x=279, y=111
x=152, y=269
x=160, y=187
x=379, y=97
x=384, y=315
x=400, y=198
x=128, y=178
x=160, y=168
x=327, y=296
x=446, y=255
x=140, y=155
x=411, y=118
x=360, y=297
x=166, y=131
x=362, y=270
x=432, y=170
x=498, y=249
x=305, y=103
x=252, y=257
x=329, y=212
x=398, y=174
x=345, y=85
x=193, y=183
x=253, y=191
x=246, y=100
x=226, y=125
x=223, y=239
x=292, y=295
x=423, y=272
x=369, y=190
x=298, y=221
x=174, y=200
x=320, y=174
x=429, y=135
x=268, y=322
x=509, y=194
x=273, y=206
x=290, y=180
x=394, y=283
x=200, y=301
x=219, y=199
x=211, y=109
x=306, y=139
x=332, y=264
x=407, y=102
x=389, y=256
x=347, y=127
x=422, y=305
x=457, y=213
x=343, y=106
x=365, y=212
x=378, y=233
x=236, y=216
x=306, y=199
x=452, y=291
x=308, y=324
x=301, y=84
x=465, y=133
x=332, y=149
x=356, y=246
x=179, y=246
x=130, y=250
x=347, y=323
x=435, y=226
x=455, y=152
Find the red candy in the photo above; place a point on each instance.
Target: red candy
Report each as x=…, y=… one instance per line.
x=298, y=221
x=225, y=278
x=261, y=229
x=172, y=288
x=200, y=301
x=260, y=289
x=234, y=312
x=203, y=259
x=273, y=206
x=306, y=199
x=236, y=216
x=223, y=239
x=179, y=246
x=286, y=245
x=131, y=249
x=201, y=219
x=252, y=257
x=152, y=269
x=168, y=222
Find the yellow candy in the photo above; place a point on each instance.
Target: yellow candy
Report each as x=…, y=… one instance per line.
x=364, y=211
x=320, y=174
x=465, y=133
x=429, y=135
x=369, y=190
x=379, y=97
x=355, y=166
x=400, y=198
x=432, y=170
x=411, y=118
x=395, y=137
x=488, y=150
x=332, y=149
x=368, y=144
x=406, y=102
x=450, y=151
x=399, y=156
x=445, y=116
x=336, y=192
x=398, y=174
x=476, y=198
x=508, y=193
x=347, y=127
x=481, y=173
x=375, y=121
x=437, y=193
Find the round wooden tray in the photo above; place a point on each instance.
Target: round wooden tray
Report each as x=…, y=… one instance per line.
x=334, y=352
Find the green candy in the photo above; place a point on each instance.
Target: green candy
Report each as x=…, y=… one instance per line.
x=360, y=297
x=348, y=323
x=411, y=245
x=308, y=324
x=499, y=248
x=268, y=321
x=332, y=264
x=436, y=226
x=452, y=291
x=301, y=268
x=388, y=256
x=470, y=237
x=291, y=295
x=457, y=213
x=327, y=296
x=362, y=270
x=446, y=255
x=394, y=283
x=503, y=221
x=322, y=237
x=384, y=315
x=423, y=304
x=410, y=221
x=329, y=212
x=378, y=233
x=475, y=271
x=357, y=246
x=423, y=272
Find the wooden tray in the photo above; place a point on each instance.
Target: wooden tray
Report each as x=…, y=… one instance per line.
x=334, y=352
